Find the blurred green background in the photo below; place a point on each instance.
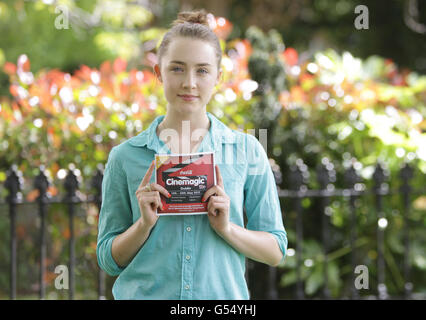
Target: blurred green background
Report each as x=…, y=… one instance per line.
x=76, y=79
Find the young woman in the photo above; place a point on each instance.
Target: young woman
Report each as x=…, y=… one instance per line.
x=189, y=256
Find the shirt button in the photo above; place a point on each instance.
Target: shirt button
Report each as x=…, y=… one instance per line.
x=188, y=257
x=188, y=229
x=187, y=287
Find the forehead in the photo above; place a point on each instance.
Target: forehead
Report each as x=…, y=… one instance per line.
x=190, y=51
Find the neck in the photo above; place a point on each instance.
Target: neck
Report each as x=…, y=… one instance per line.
x=185, y=124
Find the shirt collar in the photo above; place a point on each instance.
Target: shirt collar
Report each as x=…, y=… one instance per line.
x=218, y=133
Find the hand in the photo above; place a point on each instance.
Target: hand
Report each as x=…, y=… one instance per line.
x=149, y=200
x=218, y=206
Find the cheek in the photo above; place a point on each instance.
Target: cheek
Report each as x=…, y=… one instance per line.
x=170, y=88
x=207, y=90
x=207, y=84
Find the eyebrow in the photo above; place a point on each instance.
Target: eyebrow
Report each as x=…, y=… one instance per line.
x=183, y=63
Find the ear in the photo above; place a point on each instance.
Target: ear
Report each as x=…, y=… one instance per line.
x=219, y=76
x=157, y=72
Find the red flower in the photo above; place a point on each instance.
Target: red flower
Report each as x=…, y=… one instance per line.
x=290, y=56
x=222, y=27
x=9, y=68
x=119, y=65
x=84, y=72
x=106, y=68
x=14, y=90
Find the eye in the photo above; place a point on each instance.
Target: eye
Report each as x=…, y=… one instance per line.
x=203, y=71
x=176, y=68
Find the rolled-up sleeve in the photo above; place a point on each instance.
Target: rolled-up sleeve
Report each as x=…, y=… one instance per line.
x=115, y=215
x=261, y=196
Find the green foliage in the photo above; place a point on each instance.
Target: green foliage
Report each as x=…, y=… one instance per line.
x=66, y=34
x=352, y=111
x=64, y=120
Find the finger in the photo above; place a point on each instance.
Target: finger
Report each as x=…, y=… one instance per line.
x=215, y=209
x=212, y=190
x=218, y=199
x=153, y=201
x=210, y=209
x=161, y=189
x=213, y=202
x=215, y=189
x=220, y=206
x=147, y=197
x=159, y=204
x=148, y=175
x=218, y=176
x=213, y=205
x=210, y=214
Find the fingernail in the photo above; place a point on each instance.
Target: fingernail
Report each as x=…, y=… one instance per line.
x=202, y=199
x=169, y=195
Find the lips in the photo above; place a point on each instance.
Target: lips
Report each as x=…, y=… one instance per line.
x=187, y=97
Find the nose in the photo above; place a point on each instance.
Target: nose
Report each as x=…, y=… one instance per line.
x=189, y=81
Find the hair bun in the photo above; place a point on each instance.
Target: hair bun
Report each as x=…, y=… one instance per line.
x=199, y=16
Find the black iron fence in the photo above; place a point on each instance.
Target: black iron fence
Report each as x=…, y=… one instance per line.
x=14, y=199
x=263, y=280
x=354, y=189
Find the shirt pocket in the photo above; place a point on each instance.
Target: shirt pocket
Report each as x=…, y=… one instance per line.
x=231, y=176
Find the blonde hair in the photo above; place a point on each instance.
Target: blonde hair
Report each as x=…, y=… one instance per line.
x=191, y=24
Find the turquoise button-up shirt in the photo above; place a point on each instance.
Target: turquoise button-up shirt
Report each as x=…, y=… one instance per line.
x=183, y=257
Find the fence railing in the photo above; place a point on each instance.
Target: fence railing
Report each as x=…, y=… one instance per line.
x=354, y=189
x=13, y=184
x=262, y=280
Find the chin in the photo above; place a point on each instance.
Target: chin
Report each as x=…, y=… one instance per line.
x=190, y=107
